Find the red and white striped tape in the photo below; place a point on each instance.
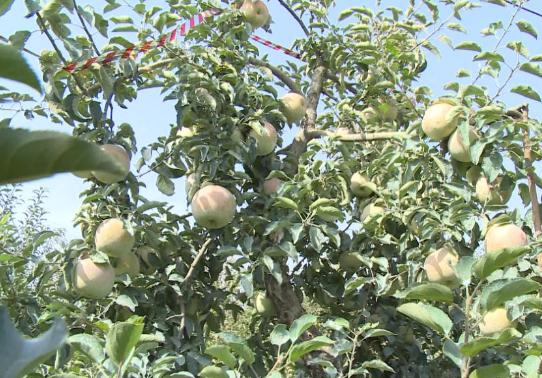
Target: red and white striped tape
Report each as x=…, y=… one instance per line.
x=276, y=47
x=145, y=46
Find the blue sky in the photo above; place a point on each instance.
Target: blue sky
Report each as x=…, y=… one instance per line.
x=150, y=117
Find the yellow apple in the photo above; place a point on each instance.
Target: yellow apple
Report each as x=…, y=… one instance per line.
x=493, y=194
x=266, y=139
x=263, y=304
x=501, y=236
x=495, y=321
x=113, y=238
x=123, y=159
x=129, y=264
x=255, y=12
x=271, y=186
x=437, y=122
x=457, y=149
x=293, y=107
x=370, y=211
x=440, y=265
x=213, y=206
x=361, y=186
x=93, y=280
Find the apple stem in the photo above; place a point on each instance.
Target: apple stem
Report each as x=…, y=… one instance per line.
x=527, y=155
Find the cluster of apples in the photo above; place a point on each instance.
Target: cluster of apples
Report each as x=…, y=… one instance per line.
x=440, y=121
x=440, y=265
x=214, y=206
x=120, y=155
x=96, y=280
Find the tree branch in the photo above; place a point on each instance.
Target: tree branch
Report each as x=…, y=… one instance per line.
x=278, y=73
x=357, y=137
x=294, y=15
x=299, y=145
x=195, y=263
x=85, y=27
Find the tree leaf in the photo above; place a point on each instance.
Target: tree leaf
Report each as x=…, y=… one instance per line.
x=377, y=364
x=223, y=354
x=451, y=350
x=500, y=291
x=5, y=6
x=491, y=371
x=19, y=355
x=468, y=45
x=285, y=203
x=429, y=292
x=532, y=68
x=89, y=345
x=473, y=347
x=526, y=91
x=20, y=150
x=301, y=349
x=428, y=315
x=490, y=262
x=165, y=185
x=300, y=325
x=526, y=27
x=14, y=67
x=279, y=335
x=122, y=339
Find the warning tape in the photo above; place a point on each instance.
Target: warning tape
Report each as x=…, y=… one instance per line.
x=145, y=46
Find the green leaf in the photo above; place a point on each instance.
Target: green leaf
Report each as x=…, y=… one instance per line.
x=526, y=91
x=279, y=335
x=300, y=325
x=377, y=332
x=5, y=5
x=14, y=67
x=468, y=45
x=223, y=354
x=19, y=355
x=429, y=292
x=317, y=238
x=487, y=55
x=377, y=364
x=500, y=291
x=301, y=349
x=122, y=339
x=526, y=27
x=286, y=203
x=491, y=371
x=490, y=262
x=473, y=347
x=354, y=284
x=55, y=152
x=165, y=185
x=428, y=315
x=451, y=350
x=213, y=372
x=89, y=345
x=532, y=68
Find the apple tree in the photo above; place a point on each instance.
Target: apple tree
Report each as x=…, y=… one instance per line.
x=343, y=221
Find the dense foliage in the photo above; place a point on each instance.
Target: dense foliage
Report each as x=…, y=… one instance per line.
x=334, y=271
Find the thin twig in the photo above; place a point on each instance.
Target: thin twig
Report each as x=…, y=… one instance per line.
x=195, y=263
x=297, y=18
x=278, y=73
x=520, y=6
x=85, y=27
x=4, y=39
